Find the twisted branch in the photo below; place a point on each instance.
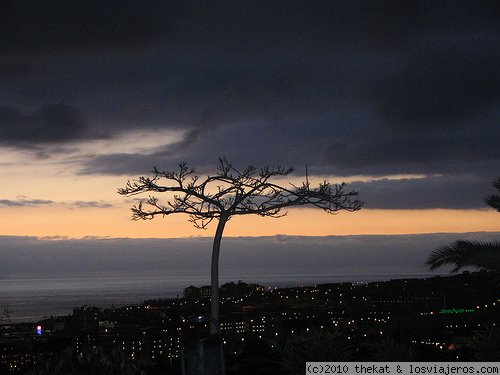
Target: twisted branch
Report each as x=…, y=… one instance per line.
x=233, y=192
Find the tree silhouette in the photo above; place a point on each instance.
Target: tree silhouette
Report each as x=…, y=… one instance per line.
x=460, y=254
x=227, y=193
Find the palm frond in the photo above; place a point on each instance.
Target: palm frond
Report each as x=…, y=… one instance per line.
x=493, y=200
x=461, y=254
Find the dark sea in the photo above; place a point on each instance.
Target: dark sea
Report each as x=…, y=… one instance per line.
x=30, y=300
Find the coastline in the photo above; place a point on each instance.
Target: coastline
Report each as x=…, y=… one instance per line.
x=30, y=300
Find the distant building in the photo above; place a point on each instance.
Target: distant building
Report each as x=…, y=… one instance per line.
x=240, y=290
x=193, y=293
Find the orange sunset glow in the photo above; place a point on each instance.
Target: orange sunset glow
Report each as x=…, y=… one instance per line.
x=116, y=222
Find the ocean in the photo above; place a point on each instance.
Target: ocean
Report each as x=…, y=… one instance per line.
x=30, y=300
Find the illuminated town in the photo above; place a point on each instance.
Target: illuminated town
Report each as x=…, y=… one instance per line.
x=437, y=318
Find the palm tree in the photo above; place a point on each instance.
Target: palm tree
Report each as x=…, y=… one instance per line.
x=460, y=254
x=493, y=200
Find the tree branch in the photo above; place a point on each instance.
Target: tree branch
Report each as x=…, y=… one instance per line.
x=233, y=192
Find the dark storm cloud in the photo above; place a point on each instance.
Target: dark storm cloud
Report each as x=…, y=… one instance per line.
x=365, y=87
x=48, y=25
x=242, y=256
x=121, y=164
x=439, y=87
x=447, y=192
x=468, y=150
x=51, y=123
x=12, y=71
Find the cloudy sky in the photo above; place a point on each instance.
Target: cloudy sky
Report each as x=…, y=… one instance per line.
x=399, y=99
x=257, y=257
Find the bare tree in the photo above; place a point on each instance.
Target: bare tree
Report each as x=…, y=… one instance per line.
x=227, y=193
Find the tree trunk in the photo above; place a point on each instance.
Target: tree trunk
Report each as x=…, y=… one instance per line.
x=214, y=306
